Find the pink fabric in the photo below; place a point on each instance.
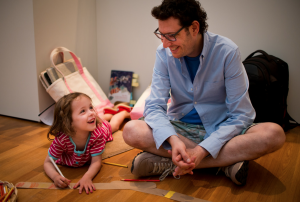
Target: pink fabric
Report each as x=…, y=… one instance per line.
x=138, y=110
x=136, y=113
x=77, y=62
x=68, y=87
x=99, y=108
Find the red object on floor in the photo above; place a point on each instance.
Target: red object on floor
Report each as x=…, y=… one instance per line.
x=117, y=108
x=110, y=110
x=124, y=108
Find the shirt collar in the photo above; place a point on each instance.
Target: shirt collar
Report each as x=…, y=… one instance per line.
x=204, y=49
x=205, y=44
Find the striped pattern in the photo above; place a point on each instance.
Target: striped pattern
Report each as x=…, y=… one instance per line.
x=64, y=153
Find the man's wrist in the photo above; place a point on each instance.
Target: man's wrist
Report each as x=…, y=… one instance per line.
x=172, y=139
x=201, y=151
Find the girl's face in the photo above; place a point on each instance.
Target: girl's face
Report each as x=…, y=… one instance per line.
x=84, y=115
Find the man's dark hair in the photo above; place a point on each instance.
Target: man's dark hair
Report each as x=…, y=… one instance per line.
x=186, y=11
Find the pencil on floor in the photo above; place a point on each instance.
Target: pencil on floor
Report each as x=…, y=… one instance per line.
x=137, y=180
x=115, y=164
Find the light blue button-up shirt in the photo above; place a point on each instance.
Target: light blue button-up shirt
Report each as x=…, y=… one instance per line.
x=219, y=93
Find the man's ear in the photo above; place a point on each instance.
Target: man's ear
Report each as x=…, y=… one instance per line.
x=195, y=27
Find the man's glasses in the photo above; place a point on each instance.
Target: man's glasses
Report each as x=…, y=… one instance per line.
x=170, y=37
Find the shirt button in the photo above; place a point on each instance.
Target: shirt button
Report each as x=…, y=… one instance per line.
x=78, y=154
x=195, y=102
x=182, y=113
x=76, y=162
x=191, y=89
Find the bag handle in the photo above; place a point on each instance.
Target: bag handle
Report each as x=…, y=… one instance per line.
x=61, y=50
x=80, y=70
x=266, y=55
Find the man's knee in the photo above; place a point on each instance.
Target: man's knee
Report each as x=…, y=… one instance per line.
x=135, y=134
x=274, y=136
x=128, y=131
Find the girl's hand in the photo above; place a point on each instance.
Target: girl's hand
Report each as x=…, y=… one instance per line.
x=85, y=183
x=61, y=182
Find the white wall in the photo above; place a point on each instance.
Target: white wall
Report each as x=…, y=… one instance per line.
x=126, y=41
x=30, y=30
x=18, y=83
x=67, y=23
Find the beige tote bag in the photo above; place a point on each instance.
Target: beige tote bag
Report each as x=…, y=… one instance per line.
x=79, y=81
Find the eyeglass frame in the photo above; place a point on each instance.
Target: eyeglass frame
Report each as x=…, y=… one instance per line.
x=164, y=35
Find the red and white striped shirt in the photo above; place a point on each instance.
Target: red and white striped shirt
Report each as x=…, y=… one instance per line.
x=63, y=149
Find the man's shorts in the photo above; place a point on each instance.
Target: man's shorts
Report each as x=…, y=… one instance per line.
x=194, y=132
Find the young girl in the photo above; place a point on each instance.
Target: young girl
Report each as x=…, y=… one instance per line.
x=80, y=137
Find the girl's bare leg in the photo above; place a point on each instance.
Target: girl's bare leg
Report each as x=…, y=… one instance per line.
x=117, y=119
x=106, y=117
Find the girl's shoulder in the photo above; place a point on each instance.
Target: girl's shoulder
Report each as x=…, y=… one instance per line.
x=61, y=137
x=100, y=130
x=105, y=124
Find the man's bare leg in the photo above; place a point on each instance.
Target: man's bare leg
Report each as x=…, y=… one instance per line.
x=259, y=140
x=139, y=135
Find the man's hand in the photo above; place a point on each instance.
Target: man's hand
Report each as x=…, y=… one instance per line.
x=180, y=157
x=197, y=154
x=185, y=159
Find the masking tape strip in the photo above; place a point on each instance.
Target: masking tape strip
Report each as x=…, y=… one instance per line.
x=111, y=185
x=145, y=187
x=170, y=194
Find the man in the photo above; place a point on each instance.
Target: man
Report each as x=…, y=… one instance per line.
x=209, y=122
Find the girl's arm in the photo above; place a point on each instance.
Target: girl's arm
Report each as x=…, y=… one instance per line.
x=86, y=181
x=50, y=170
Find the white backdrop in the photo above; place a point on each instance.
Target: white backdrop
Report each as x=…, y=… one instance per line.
x=18, y=79
x=118, y=35
x=126, y=41
x=30, y=30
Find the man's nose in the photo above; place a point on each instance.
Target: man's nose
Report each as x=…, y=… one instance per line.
x=166, y=42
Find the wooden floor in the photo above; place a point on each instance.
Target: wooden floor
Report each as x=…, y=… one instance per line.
x=24, y=145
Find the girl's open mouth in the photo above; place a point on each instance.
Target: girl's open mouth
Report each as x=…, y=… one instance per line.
x=91, y=121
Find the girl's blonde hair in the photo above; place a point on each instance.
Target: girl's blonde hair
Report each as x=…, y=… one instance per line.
x=63, y=116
